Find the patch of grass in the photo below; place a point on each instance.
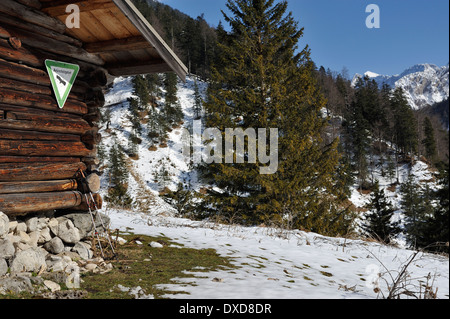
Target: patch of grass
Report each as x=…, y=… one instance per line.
x=326, y=274
x=144, y=266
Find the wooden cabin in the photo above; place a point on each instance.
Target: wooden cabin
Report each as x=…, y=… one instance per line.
x=44, y=148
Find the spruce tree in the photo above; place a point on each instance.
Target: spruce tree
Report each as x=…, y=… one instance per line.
x=380, y=223
x=118, y=178
x=260, y=80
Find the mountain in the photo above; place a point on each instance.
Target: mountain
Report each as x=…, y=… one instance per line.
x=424, y=84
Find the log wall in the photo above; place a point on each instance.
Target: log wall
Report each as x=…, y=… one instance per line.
x=42, y=147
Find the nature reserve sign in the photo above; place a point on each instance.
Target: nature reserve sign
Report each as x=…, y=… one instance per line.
x=62, y=75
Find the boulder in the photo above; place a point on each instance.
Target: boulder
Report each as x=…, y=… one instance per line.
x=4, y=225
x=15, y=284
x=7, y=249
x=30, y=260
x=82, y=221
x=68, y=232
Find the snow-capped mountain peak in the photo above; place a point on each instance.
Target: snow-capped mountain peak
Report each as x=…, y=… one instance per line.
x=424, y=84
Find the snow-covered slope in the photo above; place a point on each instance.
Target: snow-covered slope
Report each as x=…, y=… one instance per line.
x=424, y=84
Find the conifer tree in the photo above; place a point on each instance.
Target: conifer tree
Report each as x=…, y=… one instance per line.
x=198, y=101
x=261, y=81
x=380, y=224
x=429, y=142
x=118, y=173
x=405, y=126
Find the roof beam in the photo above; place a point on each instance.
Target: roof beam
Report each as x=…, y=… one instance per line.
x=128, y=44
x=141, y=67
x=150, y=34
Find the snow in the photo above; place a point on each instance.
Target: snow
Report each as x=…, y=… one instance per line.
x=271, y=263
x=279, y=264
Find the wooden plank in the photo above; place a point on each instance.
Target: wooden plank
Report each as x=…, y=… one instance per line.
x=25, y=13
x=38, y=187
x=18, y=204
x=43, y=148
x=28, y=172
x=58, y=8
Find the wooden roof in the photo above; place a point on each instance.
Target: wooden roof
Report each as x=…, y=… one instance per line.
x=120, y=35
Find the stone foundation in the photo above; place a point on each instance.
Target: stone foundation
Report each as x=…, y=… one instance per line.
x=47, y=246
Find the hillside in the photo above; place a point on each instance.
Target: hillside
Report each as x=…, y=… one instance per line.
x=271, y=262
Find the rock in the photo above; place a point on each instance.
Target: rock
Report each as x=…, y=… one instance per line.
x=54, y=246
x=15, y=284
x=12, y=226
x=84, y=250
x=32, y=224
x=90, y=267
x=21, y=227
x=30, y=260
x=4, y=225
x=34, y=238
x=52, y=286
x=3, y=267
x=58, y=263
x=24, y=237
x=83, y=222
x=53, y=226
x=44, y=236
x=7, y=249
x=68, y=232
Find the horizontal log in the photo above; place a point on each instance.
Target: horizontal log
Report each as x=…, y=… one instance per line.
x=6, y=134
x=93, y=98
x=8, y=20
x=27, y=14
x=37, y=159
x=31, y=3
x=43, y=148
x=40, y=101
x=42, y=42
x=16, y=121
x=84, y=206
x=24, y=172
x=28, y=74
x=19, y=204
x=38, y=187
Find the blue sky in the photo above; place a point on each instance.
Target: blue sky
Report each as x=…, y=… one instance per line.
x=411, y=31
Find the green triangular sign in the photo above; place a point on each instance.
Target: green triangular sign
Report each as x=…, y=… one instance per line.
x=62, y=75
